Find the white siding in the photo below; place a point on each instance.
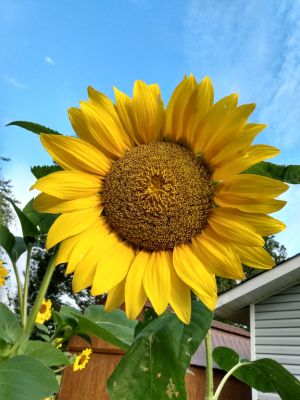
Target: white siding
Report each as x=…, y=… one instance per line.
x=277, y=331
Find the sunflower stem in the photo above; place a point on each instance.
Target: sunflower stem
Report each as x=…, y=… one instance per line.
x=26, y=287
x=225, y=378
x=209, y=382
x=20, y=292
x=39, y=299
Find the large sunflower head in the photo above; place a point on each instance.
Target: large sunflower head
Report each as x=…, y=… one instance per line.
x=152, y=200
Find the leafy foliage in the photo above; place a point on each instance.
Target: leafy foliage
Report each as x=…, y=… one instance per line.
x=265, y=375
x=33, y=127
x=285, y=173
x=155, y=365
x=40, y=171
x=25, y=378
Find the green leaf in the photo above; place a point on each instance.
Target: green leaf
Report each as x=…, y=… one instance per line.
x=18, y=249
x=44, y=352
x=116, y=322
x=265, y=375
x=113, y=327
x=25, y=378
x=41, y=171
x=33, y=127
x=14, y=246
x=42, y=220
x=10, y=328
x=155, y=365
x=30, y=231
x=284, y=173
x=7, y=240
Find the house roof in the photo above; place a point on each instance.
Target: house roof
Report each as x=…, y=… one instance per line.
x=224, y=335
x=259, y=288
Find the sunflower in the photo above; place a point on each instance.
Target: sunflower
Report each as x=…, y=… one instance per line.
x=3, y=274
x=152, y=200
x=44, y=313
x=82, y=359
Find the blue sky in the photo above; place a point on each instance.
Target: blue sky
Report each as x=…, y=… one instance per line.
x=51, y=51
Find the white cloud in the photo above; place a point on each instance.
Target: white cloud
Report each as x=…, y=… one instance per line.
x=252, y=48
x=49, y=60
x=13, y=82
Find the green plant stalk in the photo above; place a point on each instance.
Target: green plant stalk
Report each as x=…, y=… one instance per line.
x=20, y=291
x=225, y=378
x=209, y=382
x=26, y=287
x=39, y=299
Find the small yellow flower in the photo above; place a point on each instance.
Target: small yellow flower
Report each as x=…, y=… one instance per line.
x=44, y=312
x=3, y=273
x=82, y=359
x=59, y=342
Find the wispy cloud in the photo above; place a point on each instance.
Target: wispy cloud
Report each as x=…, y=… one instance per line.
x=252, y=48
x=13, y=82
x=49, y=60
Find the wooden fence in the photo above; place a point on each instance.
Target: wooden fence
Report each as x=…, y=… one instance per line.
x=90, y=383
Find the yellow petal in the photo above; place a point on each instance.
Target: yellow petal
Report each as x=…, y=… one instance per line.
x=50, y=204
x=125, y=113
x=135, y=295
x=263, y=224
x=254, y=155
x=200, y=102
x=179, y=100
x=70, y=224
x=232, y=229
x=218, y=257
x=69, y=185
x=115, y=296
x=250, y=185
x=229, y=131
x=110, y=138
x=180, y=297
x=234, y=149
x=112, y=268
x=148, y=113
x=85, y=271
x=79, y=125
x=65, y=249
x=263, y=205
x=107, y=107
x=191, y=271
x=213, y=123
x=74, y=153
x=156, y=281
x=255, y=257
x=96, y=232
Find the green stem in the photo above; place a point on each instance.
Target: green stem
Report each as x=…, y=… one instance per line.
x=39, y=299
x=225, y=378
x=209, y=382
x=26, y=286
x=19, y=286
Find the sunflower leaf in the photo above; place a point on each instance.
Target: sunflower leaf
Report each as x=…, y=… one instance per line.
x=284, y=173
x=25, y=378
x=30, y=231
x=7, y=240
x=10, y=329
x=33, y=127
x=155, y=365
x=44, y=352
x=42, y=220
x=39, y=171
x=113, y=327
x=265, y=375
